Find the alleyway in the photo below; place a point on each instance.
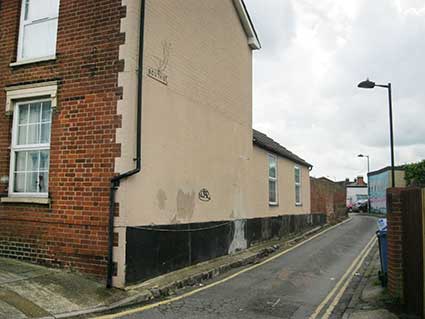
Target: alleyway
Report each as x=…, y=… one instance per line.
x=300, y=284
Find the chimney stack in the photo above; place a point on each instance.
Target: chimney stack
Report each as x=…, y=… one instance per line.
x=360, y=181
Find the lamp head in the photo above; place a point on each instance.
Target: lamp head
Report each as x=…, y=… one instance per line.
x=366, y=84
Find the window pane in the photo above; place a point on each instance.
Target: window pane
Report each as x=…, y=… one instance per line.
x=45, y=133
x=35, y=109
x=32, y=161
x=33, y=134
x=46, y=113
x=19, y=182
x=39, y=9
x=272, y=166
x=32, y=182
x=272, y=191
x=43, y=180
x=23, y=114
x=44, y=160
x=298, y=194
x=20, y=160
x=39, y=39
x=297, y=175
x=22, y=134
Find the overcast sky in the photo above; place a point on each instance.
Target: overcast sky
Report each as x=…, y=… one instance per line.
x=313, y=55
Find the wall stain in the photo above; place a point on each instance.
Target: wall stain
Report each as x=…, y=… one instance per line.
x=162, y=198
x=239, y=241
x=185, y=205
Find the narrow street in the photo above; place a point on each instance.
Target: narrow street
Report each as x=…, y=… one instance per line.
x=293, y=285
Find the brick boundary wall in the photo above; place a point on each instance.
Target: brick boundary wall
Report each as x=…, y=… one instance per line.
x=395, y=237
x=73, y=231
x=328, y=197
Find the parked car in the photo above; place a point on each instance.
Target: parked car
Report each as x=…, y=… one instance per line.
x=360, y=206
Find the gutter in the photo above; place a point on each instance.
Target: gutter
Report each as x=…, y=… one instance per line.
x=248, y=26
x=115, y=181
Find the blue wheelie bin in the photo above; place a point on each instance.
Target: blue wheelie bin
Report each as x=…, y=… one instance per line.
x=382, y=240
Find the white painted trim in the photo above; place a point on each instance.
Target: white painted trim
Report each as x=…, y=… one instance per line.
x=31, y=91
x=29, y=61
x=298, y=184
x=14, y=147
x=275, y=179
x=253, y=41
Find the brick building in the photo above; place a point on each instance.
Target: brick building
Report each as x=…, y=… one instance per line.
x=91, y=180
x=328, y=197
x=59, y=89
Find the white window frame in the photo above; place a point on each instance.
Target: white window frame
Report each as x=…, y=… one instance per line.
x=16, y=148
x=275, y=179
x=299, y=184
x=22, y=25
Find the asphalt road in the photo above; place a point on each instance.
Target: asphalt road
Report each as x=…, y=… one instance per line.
x=291, y=286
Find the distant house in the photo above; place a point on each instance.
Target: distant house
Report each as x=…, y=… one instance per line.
x=379, y=181
x=356, y=190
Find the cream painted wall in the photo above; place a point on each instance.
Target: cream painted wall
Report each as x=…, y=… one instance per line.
x=258, y=192
x=197, y=130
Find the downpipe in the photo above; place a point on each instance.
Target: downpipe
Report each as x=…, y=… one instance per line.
x=115, y=181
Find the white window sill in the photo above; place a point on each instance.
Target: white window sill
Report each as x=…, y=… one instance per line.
x=26, y=200
x=29, y=61
x=274, y=204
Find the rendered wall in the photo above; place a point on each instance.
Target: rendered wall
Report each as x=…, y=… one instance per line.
x=379, y=183
x=258, y=187
x=196, y=130
x=196, y=126
x=378, y=191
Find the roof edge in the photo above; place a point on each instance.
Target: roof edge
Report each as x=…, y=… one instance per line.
x=248, y=26
x=291, y=156
x=385, y=169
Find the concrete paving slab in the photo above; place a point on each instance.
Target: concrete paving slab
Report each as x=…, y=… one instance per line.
x=7, y=312
x=372, y=293
x=17, y=303
x=373, y=314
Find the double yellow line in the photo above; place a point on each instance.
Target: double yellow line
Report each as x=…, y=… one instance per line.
x=190, y=293
x=342, y=284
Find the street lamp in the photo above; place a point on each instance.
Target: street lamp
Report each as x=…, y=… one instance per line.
x=370, y=85
x=368, y=183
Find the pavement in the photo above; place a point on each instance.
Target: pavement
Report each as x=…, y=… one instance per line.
x=305, y=281
x=32, y=291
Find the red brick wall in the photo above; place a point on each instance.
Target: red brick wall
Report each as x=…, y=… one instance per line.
x=395, y=237
x=73, y=231
x=328, y=198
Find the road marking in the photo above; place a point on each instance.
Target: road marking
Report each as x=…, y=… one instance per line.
x=355, y=264
x=347, y=282
x=190, y=293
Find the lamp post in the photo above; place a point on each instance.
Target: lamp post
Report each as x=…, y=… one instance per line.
x=368, y=183
x=370, y=85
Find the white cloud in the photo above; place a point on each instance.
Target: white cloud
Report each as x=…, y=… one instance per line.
x=314, y=54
